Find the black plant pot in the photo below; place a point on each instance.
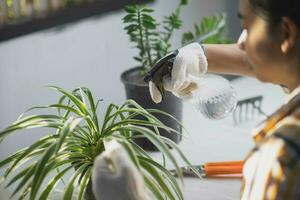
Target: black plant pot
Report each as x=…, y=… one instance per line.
x=138, y=90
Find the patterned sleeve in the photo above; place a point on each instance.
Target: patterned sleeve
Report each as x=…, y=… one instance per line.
x=286, y=170
x=272, y=172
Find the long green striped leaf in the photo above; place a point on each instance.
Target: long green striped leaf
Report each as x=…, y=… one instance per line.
x=166, y=173
x=88, y=93
x=154, y=188
x=29, y=174
x=184, y=158
x=74, y=99
x=37, y=179
x=70, y=187
x=53, y=183
x=157, y=142
x=158, y=178
x=34, y=147
x=83, y=184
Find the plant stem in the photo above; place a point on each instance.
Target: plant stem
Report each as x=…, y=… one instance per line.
x=148, y=49
x=141, y=34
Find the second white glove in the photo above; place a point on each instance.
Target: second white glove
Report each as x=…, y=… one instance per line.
x=115, y=177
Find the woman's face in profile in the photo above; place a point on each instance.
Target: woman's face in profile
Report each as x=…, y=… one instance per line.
x=263, y=47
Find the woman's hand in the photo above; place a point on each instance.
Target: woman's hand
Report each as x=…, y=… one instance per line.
x=190, y=61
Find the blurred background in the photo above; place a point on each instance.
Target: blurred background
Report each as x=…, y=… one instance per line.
x=90, y=52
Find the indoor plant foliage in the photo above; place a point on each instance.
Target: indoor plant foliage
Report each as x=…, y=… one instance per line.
x=152, y=39
x=78, y=138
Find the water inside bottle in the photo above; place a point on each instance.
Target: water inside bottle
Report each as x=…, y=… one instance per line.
x=215, y=97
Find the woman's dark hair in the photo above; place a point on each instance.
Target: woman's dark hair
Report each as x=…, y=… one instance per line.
x=274, y=10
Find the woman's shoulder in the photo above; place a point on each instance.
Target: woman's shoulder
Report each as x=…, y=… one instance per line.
x=289, y=135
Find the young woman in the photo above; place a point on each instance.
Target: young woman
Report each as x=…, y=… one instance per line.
x=269, y=49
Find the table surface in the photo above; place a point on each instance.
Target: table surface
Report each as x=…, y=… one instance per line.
x=221, y=140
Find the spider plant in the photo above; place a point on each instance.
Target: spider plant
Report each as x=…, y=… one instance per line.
x=78, y=138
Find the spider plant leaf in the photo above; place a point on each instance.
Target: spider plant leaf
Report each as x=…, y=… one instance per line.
x=51, y=185
x=25, y=180
x=10, y=158
x=139, y=149
x=40, y=170
x=155, y=140
x=131, y=121
x=80, y=105
x=83, y=184
x=107, y=116
x=25, y=192
x=68, y=128
x=151, y=111
x=135, y=112
x=70, y=187
x=23, y=161
x=66, y=108
x=89, y=94
x=158, y=178
x=86, y=134
x=184, y=158
x=19, y=175
x=52, y=164
x=31, y=122
x=56, y=106
x=166, y=173
x=154, y=188
x=42, y=143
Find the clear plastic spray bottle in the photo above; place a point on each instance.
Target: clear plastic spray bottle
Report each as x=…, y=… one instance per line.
x=215, y=97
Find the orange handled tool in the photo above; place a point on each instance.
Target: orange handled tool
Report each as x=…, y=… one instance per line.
x=213, y=169
x=221, y=168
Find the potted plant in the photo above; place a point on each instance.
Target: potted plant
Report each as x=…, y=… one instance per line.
x=77, y=139
x=152, y=40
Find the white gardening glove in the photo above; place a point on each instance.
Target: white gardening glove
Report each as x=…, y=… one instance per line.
x=115, y=177
x=190, y=61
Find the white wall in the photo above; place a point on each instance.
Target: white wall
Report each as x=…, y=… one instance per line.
x=92, y=53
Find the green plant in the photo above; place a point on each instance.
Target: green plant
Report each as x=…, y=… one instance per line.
x=78, y=137
x=211, y=30
x=152, y=39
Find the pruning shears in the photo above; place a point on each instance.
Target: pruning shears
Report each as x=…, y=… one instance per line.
x=162, y=67
x=212, y=169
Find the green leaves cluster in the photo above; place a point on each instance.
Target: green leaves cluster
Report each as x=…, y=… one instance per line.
x=151, y=38
x=212, y=30
x=78, y=138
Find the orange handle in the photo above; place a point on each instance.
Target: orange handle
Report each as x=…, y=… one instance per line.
x=222, y=170
x=227, y=163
